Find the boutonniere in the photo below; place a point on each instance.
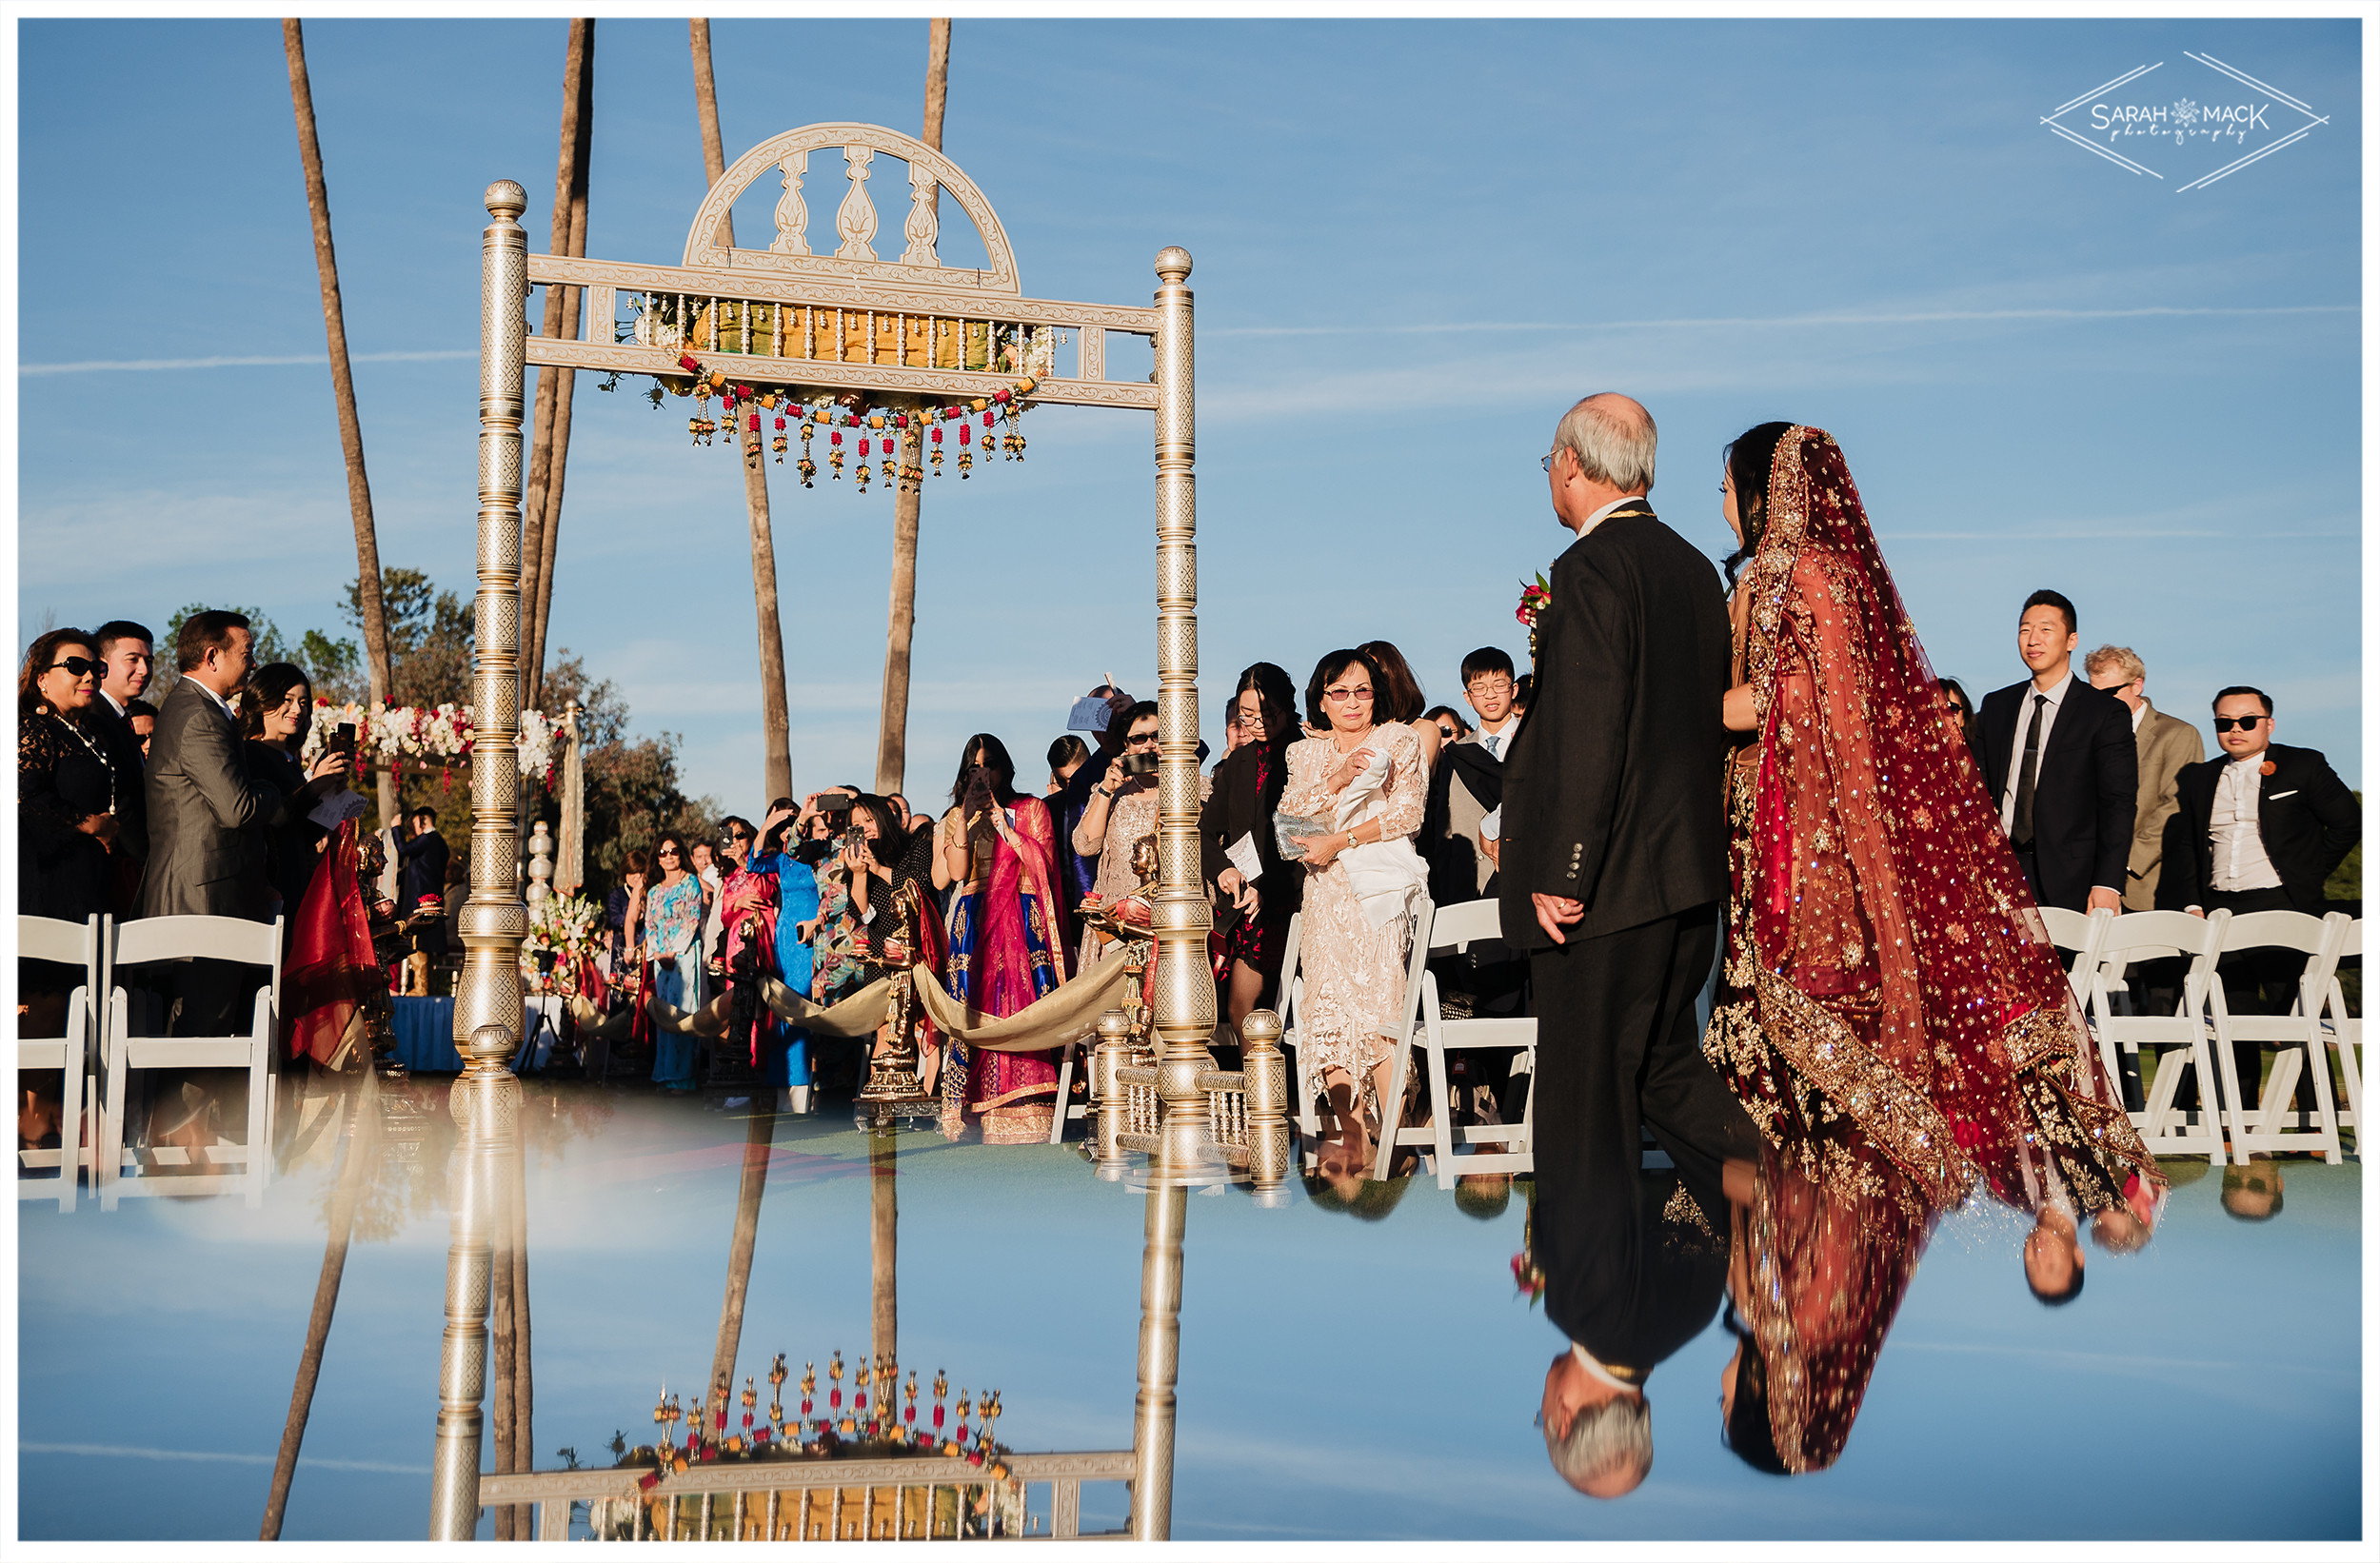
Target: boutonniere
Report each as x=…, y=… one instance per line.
x=2267, y=768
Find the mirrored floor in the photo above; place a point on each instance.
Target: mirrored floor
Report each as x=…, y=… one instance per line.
x=1342, y=1374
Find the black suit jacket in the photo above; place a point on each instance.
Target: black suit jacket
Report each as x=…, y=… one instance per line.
x=123, y=746
x=1611, y=786
x=2307, y=816
x=1235, y=807
x=2084, y=794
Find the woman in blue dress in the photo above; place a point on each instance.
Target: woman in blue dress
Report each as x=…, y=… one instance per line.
x=784, y=1052
x=673, y=943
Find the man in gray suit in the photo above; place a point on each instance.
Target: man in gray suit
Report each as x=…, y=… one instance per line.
x=208, y=814
x=2165, y=744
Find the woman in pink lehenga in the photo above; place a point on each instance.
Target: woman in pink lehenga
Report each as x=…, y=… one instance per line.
x=1006, y=947
x=1891, y=1010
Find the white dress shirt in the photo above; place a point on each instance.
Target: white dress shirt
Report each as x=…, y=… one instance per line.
x=2240, y=862
x=2140, y=714
x=2017, y=745
x=1596, y=520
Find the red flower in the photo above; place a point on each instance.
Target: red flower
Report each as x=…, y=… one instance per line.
x=686, y=362
x=1000, y=395
x=2267, y=768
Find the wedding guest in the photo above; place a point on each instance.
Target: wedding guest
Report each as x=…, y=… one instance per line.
x=422, y=857
x=1401, y=696
x=786, y=1055
x=701, y=858
x=1101, y=713
x=624, y=919
x=2260, y=830
x=65, y=824
x=1465, y=818
x=997, y=851
x=1451, y=726
x=1067, y=755
x=1252, y=915
x=2058, y=759
x=2164, y=745
x=1962, y=709
x=124, y=722
x=1367, y=782
x=1523, y=687
x=673, y=937
x=1122, y=810
x=276, y=713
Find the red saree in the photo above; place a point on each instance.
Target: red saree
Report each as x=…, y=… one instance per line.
x=332, y=967
x=1006, y=950
x=1888, y=996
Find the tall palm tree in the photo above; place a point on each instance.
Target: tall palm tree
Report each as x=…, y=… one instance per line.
x=892, y=738
x=549, y=446
x=775, y=724
x=342, y=390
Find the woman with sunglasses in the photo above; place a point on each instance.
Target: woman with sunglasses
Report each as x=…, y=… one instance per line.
x=1120, y=810
x=1367, y=783
x=65, y=789
x=673, y=942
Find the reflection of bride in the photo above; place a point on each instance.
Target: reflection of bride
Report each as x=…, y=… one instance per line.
x=1885, y=969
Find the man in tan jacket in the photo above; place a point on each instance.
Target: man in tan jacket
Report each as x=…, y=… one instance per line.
x=2166, y=744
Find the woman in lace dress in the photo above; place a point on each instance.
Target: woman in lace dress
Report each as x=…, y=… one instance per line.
x=1369, y=783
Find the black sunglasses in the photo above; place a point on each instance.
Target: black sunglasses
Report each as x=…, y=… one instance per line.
x=1447, y=732
x=2222, y=724
x=76, y=665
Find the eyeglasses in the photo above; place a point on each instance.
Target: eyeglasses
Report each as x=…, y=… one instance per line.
x=76, y=665
x=734, y=836
x=1138, y=739
x=667, y=852
x=1546, y=461
x=1345, y=696
x=1497, y=686
x=2246, y=725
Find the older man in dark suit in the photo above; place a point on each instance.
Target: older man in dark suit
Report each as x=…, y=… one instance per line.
x=1613, y=850
x=2058, y=760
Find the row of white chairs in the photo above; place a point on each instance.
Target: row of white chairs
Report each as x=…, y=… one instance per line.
x=112, y=1033
x=2194, y=1040
x=1425, y=1025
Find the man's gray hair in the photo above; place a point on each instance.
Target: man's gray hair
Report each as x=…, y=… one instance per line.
x=2121, y=657
x=1612, y=437
x=1612, y=1439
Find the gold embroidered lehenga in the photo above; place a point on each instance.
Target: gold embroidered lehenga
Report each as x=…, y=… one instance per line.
x=1891, y=1010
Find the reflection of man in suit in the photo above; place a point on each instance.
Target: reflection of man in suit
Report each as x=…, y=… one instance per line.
x=2163, y=746
x=2257, y=830
x=1645, y=1281
x=1614, y=842
x=2058, y=759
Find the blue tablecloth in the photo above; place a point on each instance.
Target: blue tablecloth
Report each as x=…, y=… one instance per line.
x=424, y=1029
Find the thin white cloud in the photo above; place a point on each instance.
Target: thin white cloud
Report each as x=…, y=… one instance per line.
x=1911, y=317
x=219, y=361
x=137, y=1451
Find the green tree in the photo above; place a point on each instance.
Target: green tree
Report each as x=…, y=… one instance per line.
x=430, y=638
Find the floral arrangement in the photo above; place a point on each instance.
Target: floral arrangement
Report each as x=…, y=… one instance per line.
x=569, y=929
x=1535, y=597
x=394, y=734
x=894, y=440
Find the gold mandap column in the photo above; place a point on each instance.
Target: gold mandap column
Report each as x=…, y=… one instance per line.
x=485, y=1103
x=1180, y=916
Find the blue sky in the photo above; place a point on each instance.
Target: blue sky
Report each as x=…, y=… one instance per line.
x=1416, y=243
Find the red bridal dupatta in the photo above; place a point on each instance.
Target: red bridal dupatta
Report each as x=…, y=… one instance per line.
x=1889, y=993
x=331, y=964
x=1005, y=950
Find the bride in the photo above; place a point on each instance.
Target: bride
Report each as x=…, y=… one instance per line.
x=1891, y=1011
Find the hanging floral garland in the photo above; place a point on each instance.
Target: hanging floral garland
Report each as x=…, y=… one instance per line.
x=394, y=734
x=889, y=438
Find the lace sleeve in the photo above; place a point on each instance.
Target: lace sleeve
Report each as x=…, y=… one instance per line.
x=39, y=807
x=1308, y=767
x=1408, y=791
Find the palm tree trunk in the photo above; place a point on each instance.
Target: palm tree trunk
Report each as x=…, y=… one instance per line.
x=363, y=1149
x=570, y=196
x=776, y=724
x=342, y=390
x=759, y=1130
x=892, y=738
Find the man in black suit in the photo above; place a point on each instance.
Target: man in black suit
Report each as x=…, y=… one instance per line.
x=1612, y=847
x=125, y=651
x=2257, y=830
x=2058, y=758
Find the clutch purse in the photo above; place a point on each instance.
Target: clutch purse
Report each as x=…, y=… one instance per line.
x=1286, y=825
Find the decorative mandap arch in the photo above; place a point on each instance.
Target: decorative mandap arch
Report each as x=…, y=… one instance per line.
x=898, y=334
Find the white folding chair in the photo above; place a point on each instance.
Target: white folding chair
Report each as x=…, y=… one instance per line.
x=1401, y=1052
x=2181, y=1036
x=1452, y=930
x=2084, y=935
x=1301, y=1111
x=2267, y=1125
x=1293, y=998
x=2345, y=1030
x=83, y=944
x=152, y=939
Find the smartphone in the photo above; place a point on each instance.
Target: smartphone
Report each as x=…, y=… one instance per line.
x=343, y=738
